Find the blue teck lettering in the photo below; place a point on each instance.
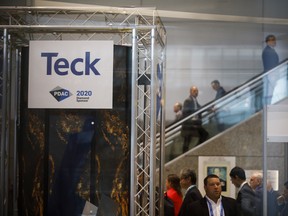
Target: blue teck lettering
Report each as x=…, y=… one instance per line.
x=61, y=66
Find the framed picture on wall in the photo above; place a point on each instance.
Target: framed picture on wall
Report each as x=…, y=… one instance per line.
x=219, y=166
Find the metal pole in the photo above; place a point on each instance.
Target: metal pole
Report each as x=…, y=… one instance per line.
x=162, y=141
x=3, y=194
x=16, y=119
x=8, y=118
x=264, y=124
x=133, y=172
x=153, y=120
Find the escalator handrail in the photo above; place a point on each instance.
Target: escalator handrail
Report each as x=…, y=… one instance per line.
x=228, y=95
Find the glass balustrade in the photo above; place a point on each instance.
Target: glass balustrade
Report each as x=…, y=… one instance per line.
x=235, y=107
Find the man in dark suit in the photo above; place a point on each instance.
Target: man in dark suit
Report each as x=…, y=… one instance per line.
x=189, y=127
x=256, y=183
x=270, y=57
x=188, y=181
x=220, y=91
x=270, y=60
x=213, y=203
x=246, y=197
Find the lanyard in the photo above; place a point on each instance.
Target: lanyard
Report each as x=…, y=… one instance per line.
x=211, y=209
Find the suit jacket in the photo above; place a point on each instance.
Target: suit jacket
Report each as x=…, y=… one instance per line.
x=270, y=58
x=272, y=204
x=190, y=126
x=259, y=200
x=192, y=195
x=284, y=211
x=246, y=200
x=200, y=207
x=190, y=106
x=220, y=93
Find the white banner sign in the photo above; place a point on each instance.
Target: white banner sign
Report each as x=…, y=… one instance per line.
x=70, y=74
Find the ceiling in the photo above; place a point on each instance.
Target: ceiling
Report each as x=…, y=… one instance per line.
x=255, y=8
x=186, y=12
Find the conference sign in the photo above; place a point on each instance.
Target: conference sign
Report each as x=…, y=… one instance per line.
x=70, y=74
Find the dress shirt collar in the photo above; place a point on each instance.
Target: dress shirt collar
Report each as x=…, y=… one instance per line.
x=191, y=186
x=215, y=209
x=242, y=185
x=211, y=201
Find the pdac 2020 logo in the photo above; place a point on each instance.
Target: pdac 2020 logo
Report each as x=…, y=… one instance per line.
x=60, y=93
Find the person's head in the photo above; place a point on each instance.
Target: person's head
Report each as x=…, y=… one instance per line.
x=270, y=40
x=217, y=171
x=215, y=84
x=194, y=91
x=188, y=178
x=173, y=181
x=237, y=175
x=256, y=180
x=177, y=107
x=212, y=187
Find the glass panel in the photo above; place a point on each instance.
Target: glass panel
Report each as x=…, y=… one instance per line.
x=236, y=106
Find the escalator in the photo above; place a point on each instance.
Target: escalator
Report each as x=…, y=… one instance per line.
x=236, y=106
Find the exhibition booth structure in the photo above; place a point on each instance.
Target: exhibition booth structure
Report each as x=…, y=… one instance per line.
x=82, y=99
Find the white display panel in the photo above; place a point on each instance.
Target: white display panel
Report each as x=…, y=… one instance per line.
x=277, y=118
x=70, y=74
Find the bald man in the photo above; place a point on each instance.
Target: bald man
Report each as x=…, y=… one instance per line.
x=189, y=127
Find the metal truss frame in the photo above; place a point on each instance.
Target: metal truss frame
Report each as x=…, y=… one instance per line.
x=140, y=28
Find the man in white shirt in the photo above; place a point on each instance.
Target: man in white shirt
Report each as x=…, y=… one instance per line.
x=213, y=204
